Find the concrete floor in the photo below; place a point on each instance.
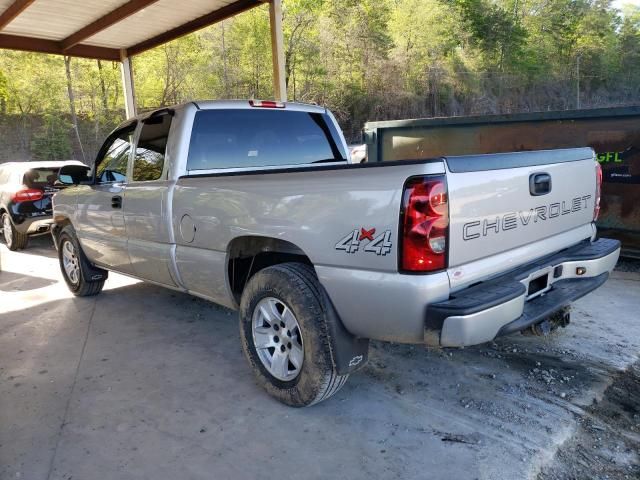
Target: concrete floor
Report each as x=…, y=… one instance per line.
x=144, y=383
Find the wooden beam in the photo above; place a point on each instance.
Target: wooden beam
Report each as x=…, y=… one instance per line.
x=40, y=45
x=194, y=25
x=277, y=50
x=105, y=22
x=94, y=52
x=15, y=9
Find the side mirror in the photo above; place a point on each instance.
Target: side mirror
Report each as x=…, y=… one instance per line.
x=74, y=175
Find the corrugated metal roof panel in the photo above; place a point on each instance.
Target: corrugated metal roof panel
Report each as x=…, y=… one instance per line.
x=64, y=27
x=153, y=20
x=4, y=4
x=57, y=19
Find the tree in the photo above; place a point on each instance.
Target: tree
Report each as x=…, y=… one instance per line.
x=496, y=32
x=628, y=53
x=366, y=60
x=51, y=140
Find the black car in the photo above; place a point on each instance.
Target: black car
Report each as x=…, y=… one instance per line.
x=26, y=189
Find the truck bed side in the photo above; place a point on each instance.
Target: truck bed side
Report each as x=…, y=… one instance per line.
x=312, y=209
x=329, y=215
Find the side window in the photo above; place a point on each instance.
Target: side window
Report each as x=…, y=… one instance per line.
x=112, y=167
x=150, y=151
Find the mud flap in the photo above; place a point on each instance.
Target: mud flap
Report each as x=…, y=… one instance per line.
x=90, y=272
x=54, y=235
x=349, y=352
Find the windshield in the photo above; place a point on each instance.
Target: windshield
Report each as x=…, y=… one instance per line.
x=258, y=138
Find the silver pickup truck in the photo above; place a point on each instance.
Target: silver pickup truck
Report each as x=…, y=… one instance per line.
x=256, y=206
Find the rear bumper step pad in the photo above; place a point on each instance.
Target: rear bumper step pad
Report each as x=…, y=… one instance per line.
x=498, y=307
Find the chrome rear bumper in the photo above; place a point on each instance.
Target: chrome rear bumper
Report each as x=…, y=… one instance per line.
x=511, y=303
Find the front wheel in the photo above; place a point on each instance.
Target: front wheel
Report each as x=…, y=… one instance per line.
x=284, y=335
x=76, y=269
x=12, y=237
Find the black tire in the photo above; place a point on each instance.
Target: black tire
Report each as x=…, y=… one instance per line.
x=90, y=279
x=295, y=285
x=13, y=238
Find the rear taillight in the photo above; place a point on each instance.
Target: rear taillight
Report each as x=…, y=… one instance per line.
x=596, y=205
x=27, y=195
x=266, y=104
x=425, y=224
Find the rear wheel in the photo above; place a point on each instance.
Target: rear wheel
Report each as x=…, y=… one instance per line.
x=13, y=239
x=284, y=335
x=75, y=267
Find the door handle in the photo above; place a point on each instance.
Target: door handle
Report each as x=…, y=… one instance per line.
x=116, y=201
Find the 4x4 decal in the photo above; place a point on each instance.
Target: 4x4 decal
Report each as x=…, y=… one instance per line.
x=380, y=245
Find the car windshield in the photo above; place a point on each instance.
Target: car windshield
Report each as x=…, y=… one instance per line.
x=40, y=178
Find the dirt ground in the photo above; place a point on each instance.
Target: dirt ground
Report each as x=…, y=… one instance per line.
x=607, y=441
x=141, y=382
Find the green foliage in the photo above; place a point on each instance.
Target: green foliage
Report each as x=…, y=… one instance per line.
x=51, y=140
x=628, y=54
x=490, y=28
x=366, y=60
x=35, y=83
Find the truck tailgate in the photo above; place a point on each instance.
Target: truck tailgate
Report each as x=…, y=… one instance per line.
x=503, y=201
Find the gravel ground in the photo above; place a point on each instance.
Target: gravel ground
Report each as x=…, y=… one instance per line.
x=628, y=265
x=141, y=382
x=607, y=440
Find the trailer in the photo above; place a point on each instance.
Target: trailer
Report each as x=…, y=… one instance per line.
x=614, y=134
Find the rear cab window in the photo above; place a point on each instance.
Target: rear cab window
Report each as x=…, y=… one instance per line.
x=254, y=138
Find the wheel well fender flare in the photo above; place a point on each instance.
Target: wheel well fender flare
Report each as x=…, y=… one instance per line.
x=250, y=254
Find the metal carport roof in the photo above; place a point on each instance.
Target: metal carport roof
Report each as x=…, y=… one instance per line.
x=116, y=29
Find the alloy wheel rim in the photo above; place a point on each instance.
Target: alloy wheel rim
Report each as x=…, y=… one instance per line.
x=6, y=229
x=70, y=262
x=277, y=338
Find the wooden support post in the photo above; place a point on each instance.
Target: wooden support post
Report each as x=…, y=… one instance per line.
x=277, y=50
x=127, y=85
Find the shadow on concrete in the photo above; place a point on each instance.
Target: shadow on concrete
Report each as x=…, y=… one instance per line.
x=19, y=282
x=42, y=245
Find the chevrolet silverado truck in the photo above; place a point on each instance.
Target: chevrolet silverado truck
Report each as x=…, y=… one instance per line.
x=256, y=206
